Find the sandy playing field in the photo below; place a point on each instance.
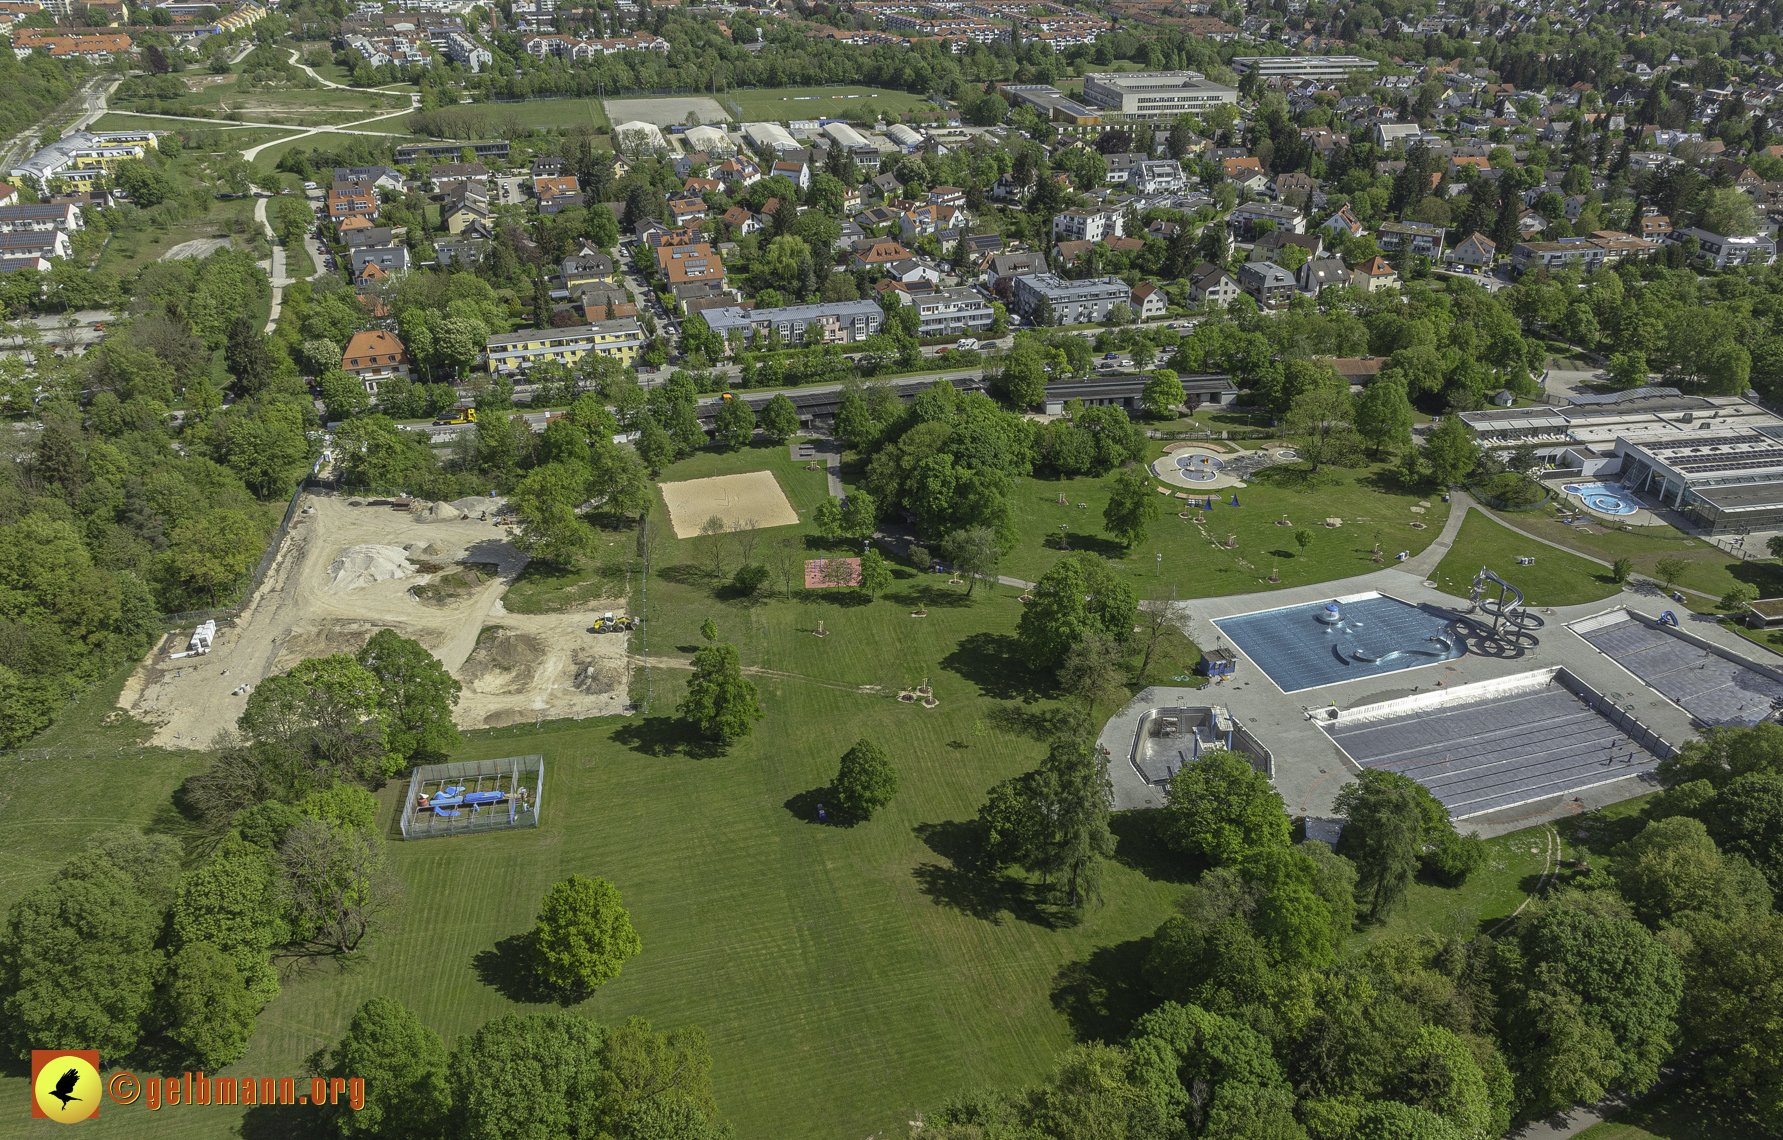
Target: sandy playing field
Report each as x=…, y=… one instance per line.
x=665, y=112
x=737, y=499
x=345, y=572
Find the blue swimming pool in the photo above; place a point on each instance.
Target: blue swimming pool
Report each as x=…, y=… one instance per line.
x=1322, y=643
x=1604, y=498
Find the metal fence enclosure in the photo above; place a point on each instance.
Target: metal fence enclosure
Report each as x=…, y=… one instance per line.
x=521, y=779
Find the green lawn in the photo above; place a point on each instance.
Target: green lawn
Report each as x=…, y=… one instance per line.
x=857, y=104
x=1490, y=895
x=1556, y=579
x=1368, y=499
x=1711, y=570
x=564, y=113
x=299, y=106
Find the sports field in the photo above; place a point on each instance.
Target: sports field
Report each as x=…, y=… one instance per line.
x=561, y=113
x=780, y=104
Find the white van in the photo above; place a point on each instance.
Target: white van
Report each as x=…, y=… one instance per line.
x=965, y=344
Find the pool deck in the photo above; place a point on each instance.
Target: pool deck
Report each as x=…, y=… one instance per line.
x=1309, y=768
x=1642, y=516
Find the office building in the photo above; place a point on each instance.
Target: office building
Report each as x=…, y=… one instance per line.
x=1332, y=67
x=1155, y=94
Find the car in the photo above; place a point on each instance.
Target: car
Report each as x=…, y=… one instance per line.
x=1112, y=356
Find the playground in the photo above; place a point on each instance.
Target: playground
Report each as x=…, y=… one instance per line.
x=473, y=796
x=753, y=498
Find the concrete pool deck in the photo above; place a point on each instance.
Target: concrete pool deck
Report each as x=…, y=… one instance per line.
x=1309, y=768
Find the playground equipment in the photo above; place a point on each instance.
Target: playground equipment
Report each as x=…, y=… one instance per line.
x=608, y=623
x=1669, y=618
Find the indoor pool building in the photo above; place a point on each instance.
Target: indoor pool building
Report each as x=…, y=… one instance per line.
x=1717, y=460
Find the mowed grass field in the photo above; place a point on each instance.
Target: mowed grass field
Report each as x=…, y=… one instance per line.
x=857, y=104
x=848, y=977
x=1368, y=500
x=564, y=113
x=1556, y=578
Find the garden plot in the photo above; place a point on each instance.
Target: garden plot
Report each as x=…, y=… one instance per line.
x=345, y=572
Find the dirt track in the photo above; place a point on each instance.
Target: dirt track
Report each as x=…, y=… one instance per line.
x=536, y=666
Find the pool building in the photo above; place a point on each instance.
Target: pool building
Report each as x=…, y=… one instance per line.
x=1717, y=460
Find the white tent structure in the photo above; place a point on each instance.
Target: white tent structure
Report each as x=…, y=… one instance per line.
x=639, y=133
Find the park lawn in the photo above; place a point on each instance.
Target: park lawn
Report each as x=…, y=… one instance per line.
x=1556, y=579
x=1197, y=565
x=536, y=113
x=1767, y=639
x=856, y=104
x=1711, y=570
x=1488, y=897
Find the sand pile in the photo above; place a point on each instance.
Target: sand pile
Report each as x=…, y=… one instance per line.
x=477, y=504
x=362, y=565
x=435, y=512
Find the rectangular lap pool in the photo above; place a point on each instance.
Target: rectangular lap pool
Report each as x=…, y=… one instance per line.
x=1365, y=635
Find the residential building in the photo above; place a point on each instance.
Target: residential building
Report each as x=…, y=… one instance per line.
x=1008, y=266
x=1344, y=221
x=1421, y=238
x=1155, y=94
x=37, y=219
x=1086, y=225
x=1589, y=253
x=587, y=268
x=1656, y=228
x=50, y=243
x=928, y=219
x=738, y=172
x=382, y=177
x=389, y=258
x=1327, y=273
x=685, y=211
x=1212, y=284
x=1721, y=252
x=880, y=253
x=1162, y=177
x=619, y=339
x=1072, y=302
x=798, y=173
x=1245, y=217
x=683, y=264
x=556, y=194
x=1374, y=275
x=840, y=322
x=1476, y=250
x=468, y=53
x=946, y=312
x=351, y=199
x=1269, y=283
x=1148, y=301
x=374, y=357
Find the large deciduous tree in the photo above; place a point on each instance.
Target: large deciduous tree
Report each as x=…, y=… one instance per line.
x=416, y=694
x=1222, y=810
x=1079, y=594
x=536, y=1075
x=211, y=1009
x=583, y=936
x=720, y=701
x=403, y=1064
x=1132, y=507
x=866, y=780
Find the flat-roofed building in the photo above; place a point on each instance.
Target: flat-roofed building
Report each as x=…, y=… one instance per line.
x=842, y=322
x=620, y=339
x=1155, y=94
x=1302, y=66
x=946, y=312
x=1072, y=302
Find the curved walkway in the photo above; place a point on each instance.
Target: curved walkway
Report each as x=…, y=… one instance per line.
x=296, y=59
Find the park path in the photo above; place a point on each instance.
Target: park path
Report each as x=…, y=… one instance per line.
x=312, y=73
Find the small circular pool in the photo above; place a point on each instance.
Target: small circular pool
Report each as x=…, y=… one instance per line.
x=1199, y=468
x=1603, y=498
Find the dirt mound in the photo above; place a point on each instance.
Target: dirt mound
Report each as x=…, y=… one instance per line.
x=504, y=662
x=477, y=505
x=433, y=550
x=363, y=565
x=435, y=512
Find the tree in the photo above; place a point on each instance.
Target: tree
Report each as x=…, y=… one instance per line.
x=779, y=419
x=1669, y=569
x=655, y=447
x=656, y=1085
x=720, y=701
x=866, y=780
x=212, y=1011
x=1622, y=569
x=78, y=963
x=583, y=936
x=235, y=904
x=1163, y=394
x=1734, y=1008
x=1628, y=369
x=1384, y=415
x=416, y=693
x=215, y=548
x=1079, y=594
x=546, y=502
x=537, y=1075
x=1383, y=837
x=246, y=358
x=1319, y=422
x=974, y=553
x=1672, y=868
x=1132, y=506
x=735, y=424
x=340, y=883
x=1222, y=810
x=1095, y=670
x=1450, y=450
x=876, y=573
x=1747, y=820
x=403, y=1062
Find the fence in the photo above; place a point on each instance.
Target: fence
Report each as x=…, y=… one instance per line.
x=224, y=613
x=520, y=779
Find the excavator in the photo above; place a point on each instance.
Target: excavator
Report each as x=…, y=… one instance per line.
x=458, y=415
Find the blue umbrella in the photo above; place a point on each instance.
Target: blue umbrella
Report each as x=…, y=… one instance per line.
x=1235, y=499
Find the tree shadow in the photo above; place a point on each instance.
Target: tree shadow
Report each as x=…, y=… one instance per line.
x=1103, y=995
x=970, y=885
x=993, y=662
x=685, y=574
x=507, y=968
x=803, y=807
x=1139, y=845
x=842, y=597
x=1036, y=724
x=284, y=1122
x=1096, y=544
x=663, y=736
x=926, y=595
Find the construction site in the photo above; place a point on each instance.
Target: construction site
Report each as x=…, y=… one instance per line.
x=433, y=572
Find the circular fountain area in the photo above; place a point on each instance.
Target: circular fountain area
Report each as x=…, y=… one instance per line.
x=1195, y=468
x=1200, y=468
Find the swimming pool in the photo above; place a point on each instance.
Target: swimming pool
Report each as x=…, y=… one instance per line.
x=1604, y=498
x=1322, y=643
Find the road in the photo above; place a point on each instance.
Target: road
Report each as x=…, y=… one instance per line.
x=278, y=270
x=24, y=144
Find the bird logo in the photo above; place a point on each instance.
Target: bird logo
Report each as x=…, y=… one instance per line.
x=65, y=1084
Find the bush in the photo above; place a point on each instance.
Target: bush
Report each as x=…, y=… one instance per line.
x=1622, y=569
x=919, y=557
x=1453, y=857
x=749, y=578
